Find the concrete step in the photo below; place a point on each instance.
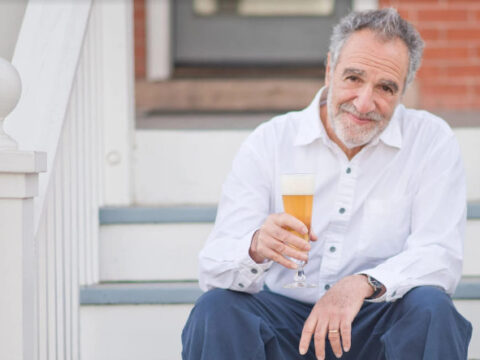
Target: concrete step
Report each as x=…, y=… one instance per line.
x=152, y=244
x=226, y=94
x=191, y=163
x=147, y=318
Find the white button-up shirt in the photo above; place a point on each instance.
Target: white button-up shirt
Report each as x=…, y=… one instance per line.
x=396, y=211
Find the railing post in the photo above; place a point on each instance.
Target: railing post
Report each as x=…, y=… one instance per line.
x=18, y=186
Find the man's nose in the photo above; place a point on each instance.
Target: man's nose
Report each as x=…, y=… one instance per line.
x=364, y=102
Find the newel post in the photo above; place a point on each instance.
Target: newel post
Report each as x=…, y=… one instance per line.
x=18, y=186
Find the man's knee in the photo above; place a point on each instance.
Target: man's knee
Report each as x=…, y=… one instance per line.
x=428, y=300
x=217, y=303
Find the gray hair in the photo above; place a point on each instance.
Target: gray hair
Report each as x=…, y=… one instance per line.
x=387, y=24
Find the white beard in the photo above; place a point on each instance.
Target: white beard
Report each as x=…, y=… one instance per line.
x=351, y=134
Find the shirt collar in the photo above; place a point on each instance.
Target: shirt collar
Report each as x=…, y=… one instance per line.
x=392, y=135
x=311, y=127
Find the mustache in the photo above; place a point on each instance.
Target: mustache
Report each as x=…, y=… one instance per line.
x=350, y=108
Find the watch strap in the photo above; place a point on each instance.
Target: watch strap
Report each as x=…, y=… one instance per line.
x=376, y=285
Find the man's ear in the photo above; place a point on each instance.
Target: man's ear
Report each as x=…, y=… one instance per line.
x=327, y=69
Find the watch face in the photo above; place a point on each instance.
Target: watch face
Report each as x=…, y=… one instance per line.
x=375, y=283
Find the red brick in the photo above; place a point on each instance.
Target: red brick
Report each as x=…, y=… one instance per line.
x=140, y=30
x=466, y=34
x=447, y=102
x=418, y=2
x=464, y=71
x=442, y=15
x=140, y=42
x=445, y=52
x=429, y=33
x=431, y=71
x=139, y=36
x=407, y=13
x=436, y=88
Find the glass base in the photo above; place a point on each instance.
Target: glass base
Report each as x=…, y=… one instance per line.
x=296, y=285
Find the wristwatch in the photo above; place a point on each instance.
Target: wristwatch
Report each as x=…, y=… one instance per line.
x=376, y=285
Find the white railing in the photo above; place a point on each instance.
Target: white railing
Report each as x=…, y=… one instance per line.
x=67, y=240
x=65, y=110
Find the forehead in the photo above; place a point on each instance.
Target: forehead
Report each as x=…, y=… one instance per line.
x=368, y=52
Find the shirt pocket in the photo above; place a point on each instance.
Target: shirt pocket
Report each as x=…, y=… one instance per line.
x=385, y=227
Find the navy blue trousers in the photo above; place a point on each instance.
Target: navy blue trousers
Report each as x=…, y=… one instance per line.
x=229, y=325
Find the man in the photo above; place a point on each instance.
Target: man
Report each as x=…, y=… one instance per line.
x=387, y=227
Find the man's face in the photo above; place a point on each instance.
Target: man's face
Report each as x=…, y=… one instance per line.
x=365, y=87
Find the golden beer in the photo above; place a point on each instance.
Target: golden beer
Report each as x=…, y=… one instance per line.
x=297, y=194
x=299, y=206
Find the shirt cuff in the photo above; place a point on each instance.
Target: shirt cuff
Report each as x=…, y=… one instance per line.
x=387, y=279
x=250, y=275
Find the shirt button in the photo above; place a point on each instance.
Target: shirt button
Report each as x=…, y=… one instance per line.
x=333, y=249
x=254, y=271
x=341, y=210
x=241, y=285
x=327, y=287
x=348, y=171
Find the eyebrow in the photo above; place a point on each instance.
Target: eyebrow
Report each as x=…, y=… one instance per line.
x=358, y=72
x=353, y=71
x=391, y=84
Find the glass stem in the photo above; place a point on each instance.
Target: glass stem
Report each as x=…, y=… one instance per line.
x=300, y=276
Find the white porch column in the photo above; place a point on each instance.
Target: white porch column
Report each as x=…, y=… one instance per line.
x=118, y=110
x=18, y=185
x=158, y=39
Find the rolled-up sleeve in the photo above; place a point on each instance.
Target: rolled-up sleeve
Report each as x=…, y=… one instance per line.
x=433, y=252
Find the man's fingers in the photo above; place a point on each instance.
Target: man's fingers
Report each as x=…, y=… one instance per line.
x=313, y=237
x=299, y=255
x=334, y=337
x=319, y=339
x=346, y=333
x=285, y=236
x=284, y=249
x=278, y=258
x=307, y=332
x=288, y=221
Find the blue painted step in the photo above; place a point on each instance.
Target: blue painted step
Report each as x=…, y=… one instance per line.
x=188, y=292
x=187, y=214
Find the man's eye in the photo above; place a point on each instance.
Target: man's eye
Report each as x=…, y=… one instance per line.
x=387, y=89
x=352, y=78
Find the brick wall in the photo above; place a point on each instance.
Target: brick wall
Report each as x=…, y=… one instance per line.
x=449, y=77
x=139, y=38
x=450, y=74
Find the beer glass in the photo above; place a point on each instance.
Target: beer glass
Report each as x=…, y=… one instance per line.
x=297, y=194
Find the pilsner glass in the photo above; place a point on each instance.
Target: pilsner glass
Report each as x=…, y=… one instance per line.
x=297, y=194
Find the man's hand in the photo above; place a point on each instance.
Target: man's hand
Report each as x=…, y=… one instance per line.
x=333, y=315
x=273, y=241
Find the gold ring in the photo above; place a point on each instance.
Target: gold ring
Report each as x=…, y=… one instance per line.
x=333, y=331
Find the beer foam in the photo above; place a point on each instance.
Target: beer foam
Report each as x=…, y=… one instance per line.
x=298, y=184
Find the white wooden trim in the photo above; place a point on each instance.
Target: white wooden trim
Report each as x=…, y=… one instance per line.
x=118, y=98
x=361, y=5
x=17, y=260
x=158, y=39
x=52, y=34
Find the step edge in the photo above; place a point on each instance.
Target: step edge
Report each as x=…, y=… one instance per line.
x=157, y=215
x=189, y=214
x=188, y=293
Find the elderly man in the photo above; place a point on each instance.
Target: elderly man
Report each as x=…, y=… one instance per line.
x=387, y=227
